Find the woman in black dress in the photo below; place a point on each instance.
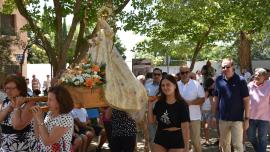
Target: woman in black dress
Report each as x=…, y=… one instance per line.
x=172, y=114
x=123, y=131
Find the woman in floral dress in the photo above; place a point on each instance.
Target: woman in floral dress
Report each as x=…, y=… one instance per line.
x=15, y=118
x=55, y=131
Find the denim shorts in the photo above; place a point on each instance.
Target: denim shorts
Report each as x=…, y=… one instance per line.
x=206, y=115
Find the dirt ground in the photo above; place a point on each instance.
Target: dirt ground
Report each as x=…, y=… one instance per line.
x=205, y=148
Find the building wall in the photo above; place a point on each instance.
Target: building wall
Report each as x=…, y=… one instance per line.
x=20, y=21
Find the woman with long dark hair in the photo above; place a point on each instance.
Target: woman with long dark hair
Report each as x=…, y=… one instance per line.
x=172, y=114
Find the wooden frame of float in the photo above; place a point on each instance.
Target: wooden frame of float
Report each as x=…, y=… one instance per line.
x=82, y=97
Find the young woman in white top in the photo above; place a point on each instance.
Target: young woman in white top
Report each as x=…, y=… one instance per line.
x=206, y=108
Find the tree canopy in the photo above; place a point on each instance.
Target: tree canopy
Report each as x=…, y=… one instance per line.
x=201, y=29
x=184, y=30
x=5, y=51
x=45, y=25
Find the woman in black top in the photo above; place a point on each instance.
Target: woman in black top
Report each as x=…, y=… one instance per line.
x=172, y=114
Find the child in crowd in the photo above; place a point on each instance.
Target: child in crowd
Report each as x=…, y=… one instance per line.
x=206, y=108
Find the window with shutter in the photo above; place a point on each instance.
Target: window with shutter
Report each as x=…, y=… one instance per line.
x=7, y=24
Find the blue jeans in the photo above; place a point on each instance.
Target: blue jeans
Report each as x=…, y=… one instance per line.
x=259, y=143
x=152, y=128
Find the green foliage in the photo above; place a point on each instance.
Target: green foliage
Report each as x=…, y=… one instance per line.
x=155, y=60
x=178, y=27
x=121, y=49
x=36, y=55
x=48, y=31
x=5, y=51
x=261, y=45
x=8, y=7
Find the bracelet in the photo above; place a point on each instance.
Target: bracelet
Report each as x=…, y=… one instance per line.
x=246, y=118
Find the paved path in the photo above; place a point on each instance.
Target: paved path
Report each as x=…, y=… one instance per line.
x=209, y=148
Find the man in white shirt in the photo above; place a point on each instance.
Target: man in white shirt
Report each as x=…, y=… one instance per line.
x=193, y=94
x=46, y=85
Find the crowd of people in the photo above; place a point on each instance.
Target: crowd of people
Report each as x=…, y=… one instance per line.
x=235, y=104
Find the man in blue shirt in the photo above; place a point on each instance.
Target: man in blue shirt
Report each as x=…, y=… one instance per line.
x=231, y=100
x=152, y=90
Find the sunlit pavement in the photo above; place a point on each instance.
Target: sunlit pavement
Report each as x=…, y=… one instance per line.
x=213, y=147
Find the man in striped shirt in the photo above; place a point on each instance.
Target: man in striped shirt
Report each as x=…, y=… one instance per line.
x=35, y=83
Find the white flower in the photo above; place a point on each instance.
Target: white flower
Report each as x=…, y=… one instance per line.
x=81, y=79
x=86, y=75
x=87, y=71
x=77, y=83
x=96, y=76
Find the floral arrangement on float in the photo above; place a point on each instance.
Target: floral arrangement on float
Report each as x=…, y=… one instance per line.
x=85, y=74
x=85, y=82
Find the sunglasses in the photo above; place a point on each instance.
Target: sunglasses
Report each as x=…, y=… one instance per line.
x=184, y=72
x=226, y=67
x=156, y=74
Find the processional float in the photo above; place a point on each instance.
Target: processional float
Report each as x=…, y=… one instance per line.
x=103, y=78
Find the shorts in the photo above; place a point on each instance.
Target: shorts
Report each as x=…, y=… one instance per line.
x=206, y=115
x=170, y=139
x=97, y=129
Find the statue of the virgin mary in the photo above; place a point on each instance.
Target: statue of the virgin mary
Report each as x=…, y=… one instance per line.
x=122, y=91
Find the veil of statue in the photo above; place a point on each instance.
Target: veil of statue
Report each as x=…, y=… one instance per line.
x=122, y=91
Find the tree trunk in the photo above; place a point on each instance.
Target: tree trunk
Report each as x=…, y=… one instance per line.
x=199, y=46
x=59, y=66
x=244, y=52
x=195, y=54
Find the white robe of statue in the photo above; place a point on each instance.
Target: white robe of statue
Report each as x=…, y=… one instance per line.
x=122, y=91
